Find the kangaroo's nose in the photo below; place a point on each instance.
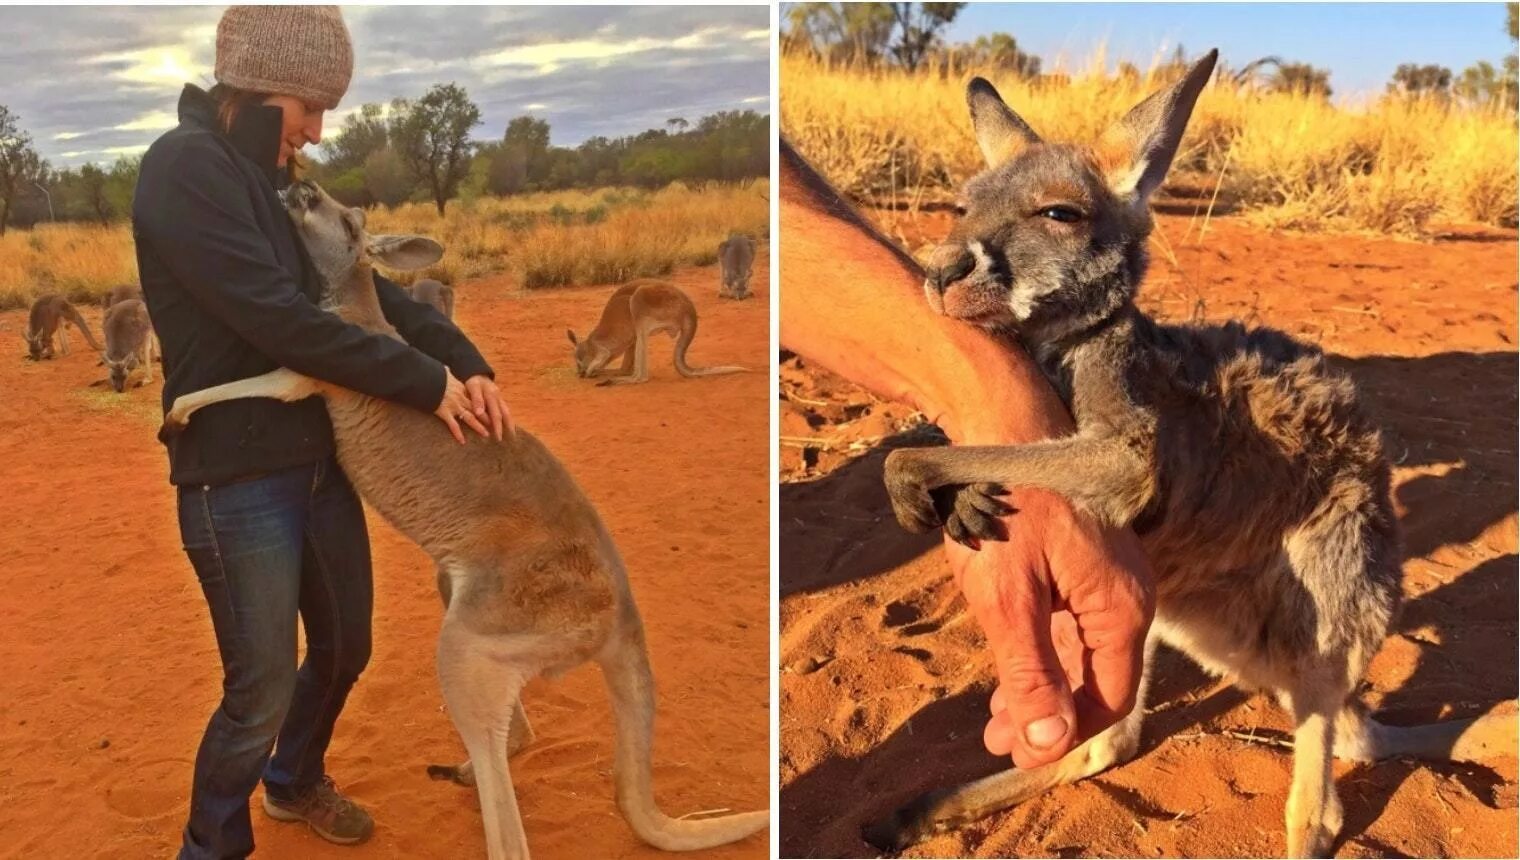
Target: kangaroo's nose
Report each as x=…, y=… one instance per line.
x=947, y=264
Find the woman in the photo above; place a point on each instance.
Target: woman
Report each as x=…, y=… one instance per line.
x=270, y=523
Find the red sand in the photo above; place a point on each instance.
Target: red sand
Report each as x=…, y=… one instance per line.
x=108, y=667
x=885, y=678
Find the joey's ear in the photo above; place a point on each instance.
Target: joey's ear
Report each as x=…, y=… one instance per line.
x=999, y=131
x=571, y=335
x=1139, y=147
x=404, y=253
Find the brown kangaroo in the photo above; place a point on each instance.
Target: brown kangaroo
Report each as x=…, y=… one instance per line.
x=52, y=314
x=435, y=293
x=637, y=310
x=119, y=294
x=531, y=581
x=130, y=343
x=1257, y=484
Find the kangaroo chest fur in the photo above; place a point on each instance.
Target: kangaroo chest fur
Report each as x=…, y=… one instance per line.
x=1252, y=444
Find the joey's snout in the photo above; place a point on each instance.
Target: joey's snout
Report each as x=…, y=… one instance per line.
x=948, y=263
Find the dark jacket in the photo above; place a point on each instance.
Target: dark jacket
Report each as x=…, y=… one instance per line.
x=232, y=294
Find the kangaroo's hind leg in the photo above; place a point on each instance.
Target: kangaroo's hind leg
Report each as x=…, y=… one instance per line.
x=945, y=809
x=481, y=683
x=63, y=338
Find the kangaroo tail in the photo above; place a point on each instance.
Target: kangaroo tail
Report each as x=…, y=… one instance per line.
x=625, y=666
x=1476, y=739
x=687, y=335
x=72, y=313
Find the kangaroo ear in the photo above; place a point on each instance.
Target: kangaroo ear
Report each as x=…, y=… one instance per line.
x=571, y=335
x=1000, y=132
x=1141, y=145
x=404, y=253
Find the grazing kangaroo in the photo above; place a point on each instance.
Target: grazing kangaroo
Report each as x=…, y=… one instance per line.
x=53, y=314
x=119, y=294
x=637, y=310
x=531, y=581
x=439, y=295
x=130, y=343
x=736, y=257
x=1258, y=486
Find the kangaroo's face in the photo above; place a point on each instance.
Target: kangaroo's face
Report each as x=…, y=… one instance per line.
x=1055, y=233
x=36, y=346
x=335, y=239
x=589, y=357
x=120, y=369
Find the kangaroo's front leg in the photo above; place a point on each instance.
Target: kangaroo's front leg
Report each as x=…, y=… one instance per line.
x=280, y=384
x=640, y=353
x=1101, y=475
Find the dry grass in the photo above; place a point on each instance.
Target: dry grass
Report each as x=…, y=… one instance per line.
x=1291, y=160
x=543, y=240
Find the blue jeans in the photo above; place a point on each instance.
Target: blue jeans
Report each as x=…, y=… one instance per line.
x=267, y=550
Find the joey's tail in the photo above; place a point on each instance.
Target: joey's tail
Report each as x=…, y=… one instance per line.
x=625, y=667
x=1476, y=739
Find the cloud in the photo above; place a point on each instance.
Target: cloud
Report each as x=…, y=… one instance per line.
x=111, y=75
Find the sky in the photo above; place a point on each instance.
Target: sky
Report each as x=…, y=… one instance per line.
x=91, y=84
x=1360, y=43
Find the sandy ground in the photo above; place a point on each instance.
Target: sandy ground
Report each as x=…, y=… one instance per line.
x=885, y=681
x=108, y=666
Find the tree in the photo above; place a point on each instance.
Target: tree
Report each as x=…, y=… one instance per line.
x=677, y=124
x=525, y=148
x=919, y=25
x=1301, y=78
x=363, y=134
x=121, y=185
x=1412, y=80
x=92, y=184
x=998, y=51
x=848, y=32
x=19, y=164
x=386, y=178
x=432, y=137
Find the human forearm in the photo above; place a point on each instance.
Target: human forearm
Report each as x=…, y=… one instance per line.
x=853, y=303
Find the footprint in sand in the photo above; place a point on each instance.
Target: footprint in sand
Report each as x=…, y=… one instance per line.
x=905, y=617
x=150, y=789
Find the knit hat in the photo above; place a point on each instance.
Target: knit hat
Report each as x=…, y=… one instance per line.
x=300, y=51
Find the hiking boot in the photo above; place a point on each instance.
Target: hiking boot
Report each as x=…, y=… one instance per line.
x=333, y=816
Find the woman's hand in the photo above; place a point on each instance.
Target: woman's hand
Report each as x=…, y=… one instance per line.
x=457, y=406
x=1065, y=604
x=486, y=400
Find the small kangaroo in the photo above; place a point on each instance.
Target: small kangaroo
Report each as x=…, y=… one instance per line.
x=120, y=293
x=52, y=314
x=1258, y=487
x=637, y=310
x=531, y=581
x=736, y=256
x=435, y=293
x=130, y=343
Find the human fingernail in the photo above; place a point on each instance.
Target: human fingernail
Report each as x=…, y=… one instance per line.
x=1045, y=733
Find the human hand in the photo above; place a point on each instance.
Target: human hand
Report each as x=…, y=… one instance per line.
x=1065, y=604
x=485, y=399
x=457, y=406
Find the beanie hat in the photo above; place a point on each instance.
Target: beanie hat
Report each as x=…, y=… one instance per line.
x=301, y=51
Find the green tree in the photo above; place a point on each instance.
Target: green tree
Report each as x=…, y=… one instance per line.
x=432, y=137
x=92, y=184
x=919, y=26
x=1301, y=78
x=363, y=134
x=121, y=185
x=20, y=165
x=386, y=178
x=525, y=148
x=847, y=32
x=998, y=51
x=1414, y=80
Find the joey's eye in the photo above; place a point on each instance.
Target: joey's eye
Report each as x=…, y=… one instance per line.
x=1064, y=214
x=959, y=208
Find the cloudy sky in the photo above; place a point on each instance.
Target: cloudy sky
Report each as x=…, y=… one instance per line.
x=95, y=83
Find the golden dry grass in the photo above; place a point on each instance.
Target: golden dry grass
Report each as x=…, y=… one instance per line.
x=543, y=240
x=1291, y=160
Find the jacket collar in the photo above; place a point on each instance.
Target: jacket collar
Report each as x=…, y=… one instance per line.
x=255, y=133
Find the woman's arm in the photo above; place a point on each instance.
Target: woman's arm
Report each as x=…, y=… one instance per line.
x=199, y=221
x=852, y=302
x=430, y=331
